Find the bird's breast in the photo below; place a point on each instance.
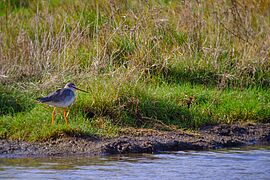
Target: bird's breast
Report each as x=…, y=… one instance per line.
x=69, y=100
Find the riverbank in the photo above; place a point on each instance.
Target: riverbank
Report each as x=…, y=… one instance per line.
x=141, y=141
x=161, y=65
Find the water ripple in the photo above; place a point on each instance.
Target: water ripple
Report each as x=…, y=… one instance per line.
x=238, y=163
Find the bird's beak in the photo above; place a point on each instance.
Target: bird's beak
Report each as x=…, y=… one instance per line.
x=81, y=90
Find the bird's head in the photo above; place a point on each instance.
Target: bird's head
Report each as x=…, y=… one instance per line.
x=73, y=87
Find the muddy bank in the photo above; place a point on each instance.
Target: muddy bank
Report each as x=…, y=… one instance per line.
x=142, y=141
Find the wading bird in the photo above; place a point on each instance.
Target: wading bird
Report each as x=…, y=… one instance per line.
x=63, y=97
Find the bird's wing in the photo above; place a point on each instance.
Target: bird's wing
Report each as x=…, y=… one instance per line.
x=51, y=96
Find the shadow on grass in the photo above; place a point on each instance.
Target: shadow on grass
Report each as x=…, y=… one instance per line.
x=71, y=132
x=160, y=113
x=201, y=76
x=180, y=76
x=144, y=110
x=13, y=102
x=211, y=77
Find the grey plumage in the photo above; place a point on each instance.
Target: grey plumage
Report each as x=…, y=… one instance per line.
x=57, y=96
x=62, y=97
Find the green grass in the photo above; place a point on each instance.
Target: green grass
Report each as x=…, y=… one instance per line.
x=148, y=64
x=35, y=125
x=159, y=106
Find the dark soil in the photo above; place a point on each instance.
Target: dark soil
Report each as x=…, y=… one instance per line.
x=141, y=141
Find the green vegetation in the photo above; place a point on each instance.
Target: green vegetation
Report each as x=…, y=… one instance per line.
x=148, y=64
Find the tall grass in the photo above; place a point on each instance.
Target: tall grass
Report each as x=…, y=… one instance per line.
x=160, y=64
x=229, y=39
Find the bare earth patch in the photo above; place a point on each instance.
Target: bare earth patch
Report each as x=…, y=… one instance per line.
x=141, y=141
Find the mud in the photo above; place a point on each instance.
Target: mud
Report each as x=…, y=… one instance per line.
x=141, y=141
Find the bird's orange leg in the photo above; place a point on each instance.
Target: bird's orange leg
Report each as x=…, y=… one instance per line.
x=54, y=109
x=65, y=116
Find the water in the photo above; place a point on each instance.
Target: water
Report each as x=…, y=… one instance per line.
x=238, y=163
